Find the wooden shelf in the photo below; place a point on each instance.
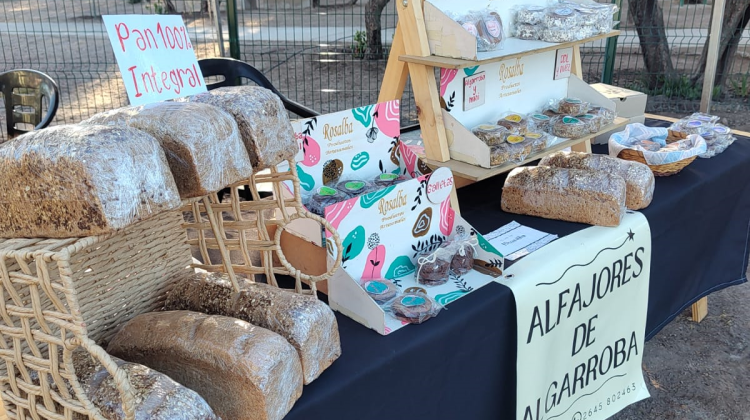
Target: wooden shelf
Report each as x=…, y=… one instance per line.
x=513, y=48
x=475, y=173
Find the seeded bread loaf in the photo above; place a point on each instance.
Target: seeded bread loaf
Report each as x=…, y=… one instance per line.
x=264, y=124
x=244, y=372
x=639, y=180
x=202, y=142
x=72, y=181
x=574, y=195
x=307, y=323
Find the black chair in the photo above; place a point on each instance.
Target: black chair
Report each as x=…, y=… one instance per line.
x=22, y=91
x=234, y=70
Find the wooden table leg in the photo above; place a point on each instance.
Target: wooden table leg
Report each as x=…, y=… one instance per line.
x=700, y=309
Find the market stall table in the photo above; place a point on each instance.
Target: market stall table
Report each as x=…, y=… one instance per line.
x=462, y=363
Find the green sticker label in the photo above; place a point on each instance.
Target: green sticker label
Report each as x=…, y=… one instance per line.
x=572, y=101
x=354, y=185
x=411, y=301
x=326, y=191
x=571, y=120
x=388, y=177
x=540, y=117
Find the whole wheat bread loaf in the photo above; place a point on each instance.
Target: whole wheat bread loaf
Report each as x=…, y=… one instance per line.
x=307, y=323
x=264, y=124
x=72, y=181
x=244, y=372
x=574, y=195
x=202, y=142
x=639, y=180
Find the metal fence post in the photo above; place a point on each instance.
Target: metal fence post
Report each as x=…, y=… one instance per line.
x=611, y=50
x=234, y=39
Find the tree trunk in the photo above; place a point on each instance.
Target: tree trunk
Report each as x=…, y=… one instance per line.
x=735, y=20
x=649, y=23
x=169, y=6
x=372, y=25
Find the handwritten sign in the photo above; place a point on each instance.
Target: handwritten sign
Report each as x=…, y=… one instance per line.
x=155, y=56
x=474, y=88
x=439, y=185
x=563, y=63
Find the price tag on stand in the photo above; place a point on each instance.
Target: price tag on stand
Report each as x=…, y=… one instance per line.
x=155, y=56
x=474, y=90
x=563, y=63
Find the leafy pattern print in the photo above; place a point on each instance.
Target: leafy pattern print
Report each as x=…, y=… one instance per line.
x=336, y=213
x=471, y=70
x=446, y=76
x=447, y=216
x=374, y=264
x=354, y=243
x=363, y=114
x=310, y=150
x=306, y=181
x=388, y=118
x=400, y=267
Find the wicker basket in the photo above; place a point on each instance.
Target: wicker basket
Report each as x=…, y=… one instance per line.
x=60, y=294
x=660, y=170
x=232, y=236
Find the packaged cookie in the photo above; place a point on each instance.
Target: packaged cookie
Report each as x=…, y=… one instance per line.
x=607, y=115
x=354, y=187
x=324, y=197
x=491, y=30
x=721, y=132
x=587, y=16
x=572, y=106
x=561, y=18
x=539, y=122
x=538, y=141
x=380, y=290
x=708, y=118
x=515, y=150
x=593, y=121
x=414, y=308
x=691, y=126
x=386, y=180
x=490, y=134
x=516, y=123
x=648, y=145
x=463, y=247
x=527, y=31
x=560, y=35
x=433, y=268
x=530, y=15
x=569, y=127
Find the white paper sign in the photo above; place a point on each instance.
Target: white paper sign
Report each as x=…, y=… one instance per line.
x=515, y=240
x=474, y=91
x=155, y=56
x=581, y=305
x=563, y=63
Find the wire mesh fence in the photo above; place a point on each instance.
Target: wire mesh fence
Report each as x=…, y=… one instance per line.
x=313, y=51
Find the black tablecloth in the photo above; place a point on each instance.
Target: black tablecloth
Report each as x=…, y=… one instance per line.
x=462, y=363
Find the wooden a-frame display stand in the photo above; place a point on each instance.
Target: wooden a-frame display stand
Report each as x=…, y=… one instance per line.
x=426, y=39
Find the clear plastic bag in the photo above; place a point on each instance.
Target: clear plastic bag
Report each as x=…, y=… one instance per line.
x=490, y=134
x=510, y=152
x=639, y=179
x=386, y=180
x=539, y=122
x=593, y=121
x=202, y=142
x=539, y=140
x=527, y=31
x=515, y=122
x=323, y=197
x=381, y=291
x=77, y=180
x=414, y=308
x=463, y=247
x=569, y=127
x=574, y=195
x=529, y=14
x=433, y=268
x=561, y=17
x=355, y=187
x=569, y=106
x=485, y=25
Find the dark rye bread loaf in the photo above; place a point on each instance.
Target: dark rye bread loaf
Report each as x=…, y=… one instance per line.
x=244, y=372
x=73, y=180
x=639, y=180
x=307, y=323
x=264, y=124
x=202, y=143
x=573, y=195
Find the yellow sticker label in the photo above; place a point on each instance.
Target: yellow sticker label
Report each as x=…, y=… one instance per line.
x=533, y=135
x=514, y=118
x=487, y=127
x=515, y=139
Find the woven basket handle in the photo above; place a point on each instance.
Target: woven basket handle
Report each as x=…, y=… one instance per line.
x=304, y=214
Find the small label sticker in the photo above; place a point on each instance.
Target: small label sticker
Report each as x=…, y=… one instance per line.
x=493, y=27
x=515, y=139
x=564, y=11
x=376, y=287
x=354, y=185
x=326, y=191
x=513, y=118
x=541, y=117
x=721, y=130
x=571, y=120
x=487, y=127
x=695, y=124
x=411, y=301
x=388, y=177
x=439, y=185
x=572, y=100
x=533, y=135
x=471, y=28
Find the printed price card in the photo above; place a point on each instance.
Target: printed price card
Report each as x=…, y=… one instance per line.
x=563, y=63
x=155, y=56
x=474, y=88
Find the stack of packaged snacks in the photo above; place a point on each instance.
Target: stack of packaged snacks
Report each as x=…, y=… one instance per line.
x=485, y=25
x=717, y=136
x=562, y=22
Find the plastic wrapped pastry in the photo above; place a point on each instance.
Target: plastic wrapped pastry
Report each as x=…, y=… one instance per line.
x=490, y=134
x=514, y=122
x=262, y=119
x=529, y=14
x=560, y=35
x=462, y=247
x=639, y=179
x=414, y=308
x=515, y=150
x=354, y=187
x=202, y=143
x=433, y=268
x=158, y=396
x=72, y=180
x=539, y=122
x=241, y=370
x=607, y=115
x=324, y=197
x=572, y=106
x=305, y=322
x=486, y=26
x=527, y=31
x=380, y=290
x=561, y=18
x=539, y=141
x=593, y=121
x=387, y=180
x=569, y=127
x=574, y=195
